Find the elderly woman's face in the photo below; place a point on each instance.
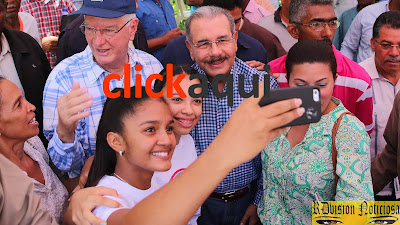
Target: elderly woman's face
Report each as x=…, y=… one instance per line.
x=17, y=117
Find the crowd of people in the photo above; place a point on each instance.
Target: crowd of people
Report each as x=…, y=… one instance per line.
x=71, y=154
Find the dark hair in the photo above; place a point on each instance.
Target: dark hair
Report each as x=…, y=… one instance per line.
x=114, y=112
x=178, y=69
x=390, y=18
x=311, y=51
x=298, y=8
x=225, y=4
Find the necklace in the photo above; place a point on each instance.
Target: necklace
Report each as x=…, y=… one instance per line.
x=116, y=175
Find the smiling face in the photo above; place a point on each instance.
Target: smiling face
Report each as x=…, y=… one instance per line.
x=185, y=111
x=314, y=74
x=17, y=117
x=149, y=139
x=111, y=53
x=218, y=59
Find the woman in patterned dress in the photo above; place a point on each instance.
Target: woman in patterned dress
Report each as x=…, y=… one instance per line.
x=298, y=165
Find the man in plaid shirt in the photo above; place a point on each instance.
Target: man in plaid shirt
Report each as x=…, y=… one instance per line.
x=212, y=41
x=48, y=16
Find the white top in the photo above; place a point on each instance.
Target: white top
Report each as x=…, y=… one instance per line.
x=184, y=155
x=7, y=66
x=30, y=26
x=383, y=94
x=128, y=196
x=280, y=30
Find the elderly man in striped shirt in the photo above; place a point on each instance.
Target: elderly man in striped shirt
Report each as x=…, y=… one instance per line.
x=74, y=97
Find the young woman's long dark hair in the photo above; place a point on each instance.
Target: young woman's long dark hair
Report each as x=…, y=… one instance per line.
x=114, y=112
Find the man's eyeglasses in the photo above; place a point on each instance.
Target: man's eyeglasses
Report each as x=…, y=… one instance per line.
x=107, y=32
x=206, y=45
x=319, y=26
x=387, y=46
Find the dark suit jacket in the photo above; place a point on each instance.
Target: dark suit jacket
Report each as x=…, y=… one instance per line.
x=32, y=68
x=270, y=42
x=386, y=166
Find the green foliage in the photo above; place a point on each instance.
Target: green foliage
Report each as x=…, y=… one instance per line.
x=182, y=22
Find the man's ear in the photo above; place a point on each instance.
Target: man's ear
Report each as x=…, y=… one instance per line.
x=116, y=142
x=236, y=36
x=293, y=30
x=133, y=28
x=373, y=44
x=189, y=46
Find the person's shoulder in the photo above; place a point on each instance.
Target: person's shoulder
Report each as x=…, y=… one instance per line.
x=277, y=65
x=349, y=14
x=23, y=42
x=349, y=121
x=144, y=57
x=20, y=38
x=258, y=30
x=178, y=41
x=74, y=25
x=246, y=70
x=369, y=64
x=26, y=16
x=74, y=60
x=373, y=9
x=351, y=68
x=72, y=64
x=267, y=21
x=249, y=43
x=106, y=181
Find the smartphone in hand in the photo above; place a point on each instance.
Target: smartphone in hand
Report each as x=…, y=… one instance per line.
x=311, y=102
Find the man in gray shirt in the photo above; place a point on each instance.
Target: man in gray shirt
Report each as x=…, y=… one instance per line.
x=277, y=24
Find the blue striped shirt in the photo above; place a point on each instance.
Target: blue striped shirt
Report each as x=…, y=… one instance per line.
x=70, y=157
x=216, y=113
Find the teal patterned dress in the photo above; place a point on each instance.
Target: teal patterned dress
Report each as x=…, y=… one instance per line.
x=292, y=178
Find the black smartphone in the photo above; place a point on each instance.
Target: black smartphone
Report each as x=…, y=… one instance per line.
x=311, y=102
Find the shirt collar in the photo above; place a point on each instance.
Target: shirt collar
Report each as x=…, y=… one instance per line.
x=5, y=47
x=373, y=71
